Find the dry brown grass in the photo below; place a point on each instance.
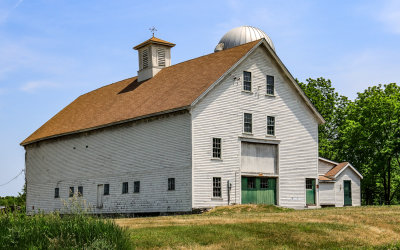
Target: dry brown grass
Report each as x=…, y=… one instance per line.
x=362, y=226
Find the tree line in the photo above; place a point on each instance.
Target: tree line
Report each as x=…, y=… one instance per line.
x=365, y=132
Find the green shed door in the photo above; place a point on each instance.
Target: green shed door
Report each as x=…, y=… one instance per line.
x=347, y=193
x=257, y=190
x=310, y=191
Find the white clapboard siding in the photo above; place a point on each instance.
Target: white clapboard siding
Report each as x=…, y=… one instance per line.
x=220, y=114
x=149, y=151
x=324, y=167
x=327, y=193
x=348, y=174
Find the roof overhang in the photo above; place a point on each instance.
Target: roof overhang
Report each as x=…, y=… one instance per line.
x=328, y=161
x=352, y=168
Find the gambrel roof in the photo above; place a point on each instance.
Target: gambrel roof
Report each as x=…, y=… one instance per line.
x=176, y=87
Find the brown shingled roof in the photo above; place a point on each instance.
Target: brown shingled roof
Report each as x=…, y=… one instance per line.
x=174, y=87
x=156, y=41
x=324, y=178
x=336, y=169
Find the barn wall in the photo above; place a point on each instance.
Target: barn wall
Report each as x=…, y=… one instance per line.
x=149, y=151
x=327, y=193
x=220, y=114
x=324, y=167
x=348, y=174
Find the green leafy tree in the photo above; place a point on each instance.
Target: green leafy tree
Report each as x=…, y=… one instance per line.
x=369, y=137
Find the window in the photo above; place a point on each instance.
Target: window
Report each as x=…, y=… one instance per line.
x=71, y=191
x=161, y=56
x=270, y=85
x=145, y=58
x=251, y=183
x=136, y=187
x=246, y=81
x=270, y=125
x=248, y=123
x=57, y=193
x=125, y=187
x=216, y=186
x=263, y=183
x=309, y=184
x=217, y=148
x=171, y=184
x=106, y=189
x=80, y=191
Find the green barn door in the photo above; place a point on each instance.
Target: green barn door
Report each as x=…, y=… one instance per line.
x=310, y=191
x=347, y=193
x=258, y=190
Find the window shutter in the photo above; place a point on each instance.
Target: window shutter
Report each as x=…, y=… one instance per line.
x=145, y=58
x=161, y=56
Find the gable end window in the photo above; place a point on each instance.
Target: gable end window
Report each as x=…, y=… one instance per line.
x=71, y=191
x=57, y=193
x=246, y=81
x=106, y=189
x=270, y=125
x=80, y=191
x=217, y=148
x=248, y=123
x=136, y=187
x=270, y=85
x=125, y=187
x=217, y=187
x=171, y=184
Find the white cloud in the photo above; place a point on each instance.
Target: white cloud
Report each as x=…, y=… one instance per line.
x=390, y=15
x=32, y=86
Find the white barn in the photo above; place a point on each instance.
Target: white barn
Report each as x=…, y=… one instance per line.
x=229, y=127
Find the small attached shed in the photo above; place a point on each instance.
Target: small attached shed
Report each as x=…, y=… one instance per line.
x=339, y=184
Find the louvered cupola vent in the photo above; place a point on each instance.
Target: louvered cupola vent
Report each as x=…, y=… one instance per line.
x=154, y=55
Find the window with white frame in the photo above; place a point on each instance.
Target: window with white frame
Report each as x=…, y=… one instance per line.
x=217, y=148
x=125, y=188
x=217, y=187
x=71, y=191
x=136, y=186
x=270, y=125
x=171, y=184
x=57, y=193
x=270, y=85
x=246, y=81
x=248, y=123
x=80, y=191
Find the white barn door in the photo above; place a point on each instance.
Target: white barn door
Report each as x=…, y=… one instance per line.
x=259, y=158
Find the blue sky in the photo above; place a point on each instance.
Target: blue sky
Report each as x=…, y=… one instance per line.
x=53, y=51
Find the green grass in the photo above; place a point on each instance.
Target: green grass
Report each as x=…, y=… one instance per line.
x=19, y=231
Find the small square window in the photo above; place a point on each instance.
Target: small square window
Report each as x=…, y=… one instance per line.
x=248, y=123
x=251, y=183
x=57, y=193
x=247, y=81
x=217, y=148
x=171, y=184
x=270, y=125
x=125, y=187
x=80, y=191
x=71, y=191
x=136, y=187
x=270, y=85
x=309, y=184
x=106, y=189
x=263, y=183
x=217, y=187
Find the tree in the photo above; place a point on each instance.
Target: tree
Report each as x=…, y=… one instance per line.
x=369, y=137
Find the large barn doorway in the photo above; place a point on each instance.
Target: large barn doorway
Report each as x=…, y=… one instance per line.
x=258, y=190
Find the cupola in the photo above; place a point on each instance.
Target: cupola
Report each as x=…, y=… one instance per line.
x=154, y=54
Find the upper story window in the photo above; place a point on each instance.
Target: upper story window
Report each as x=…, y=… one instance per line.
x=217, y=187
x=248, y=123
x=246, y=81
x=145, y=58
x=217, y=148
x=270, y=125
x=171, y=184
x=106, y=189
x=270, y=85
x=125, y=187
x=161, y=56
x=136, y=186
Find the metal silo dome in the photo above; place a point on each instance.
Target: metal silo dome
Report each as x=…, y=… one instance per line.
x=242, y=35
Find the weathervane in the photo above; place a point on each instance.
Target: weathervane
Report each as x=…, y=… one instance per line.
x=153, y=30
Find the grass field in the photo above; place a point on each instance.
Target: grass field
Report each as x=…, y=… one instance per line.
x=258, y=226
